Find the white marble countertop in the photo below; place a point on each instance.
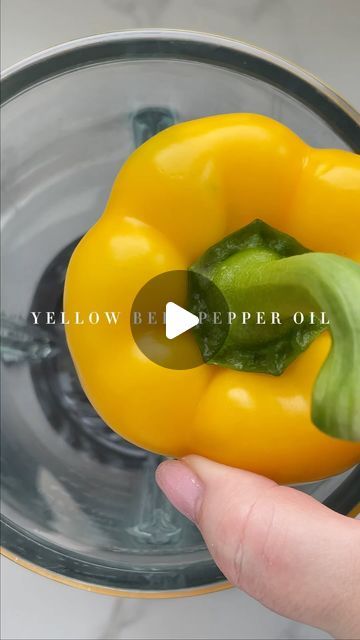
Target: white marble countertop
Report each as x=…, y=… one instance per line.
x=321, y=36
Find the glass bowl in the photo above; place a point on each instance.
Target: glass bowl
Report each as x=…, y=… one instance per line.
x=79, y=503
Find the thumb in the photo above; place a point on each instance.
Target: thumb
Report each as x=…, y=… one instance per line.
x=279, y=545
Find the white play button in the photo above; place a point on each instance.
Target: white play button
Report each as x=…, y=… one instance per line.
x=170, y=294
x=178, y=320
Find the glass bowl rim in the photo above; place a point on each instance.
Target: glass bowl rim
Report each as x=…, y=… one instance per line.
x=188, y=45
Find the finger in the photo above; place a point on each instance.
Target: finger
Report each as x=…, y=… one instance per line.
x=279, y=545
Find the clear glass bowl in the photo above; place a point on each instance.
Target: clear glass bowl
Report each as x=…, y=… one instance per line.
x=80, y=503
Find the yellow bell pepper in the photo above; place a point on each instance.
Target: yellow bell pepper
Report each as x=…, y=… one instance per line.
x=177, y=195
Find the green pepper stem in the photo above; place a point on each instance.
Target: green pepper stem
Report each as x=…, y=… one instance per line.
x=256, y=269
x=330, y=284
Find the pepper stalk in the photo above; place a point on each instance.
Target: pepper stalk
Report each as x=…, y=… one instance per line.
x=259, y=268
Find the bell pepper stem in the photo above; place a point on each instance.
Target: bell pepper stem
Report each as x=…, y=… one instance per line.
x=331, y=284
x=258, y=274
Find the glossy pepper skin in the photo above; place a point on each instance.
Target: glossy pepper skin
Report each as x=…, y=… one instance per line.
x=181, y=192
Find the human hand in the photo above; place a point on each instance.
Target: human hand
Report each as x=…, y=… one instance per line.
x=282, y=547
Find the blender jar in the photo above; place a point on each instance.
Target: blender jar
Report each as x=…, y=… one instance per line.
x=79, y=503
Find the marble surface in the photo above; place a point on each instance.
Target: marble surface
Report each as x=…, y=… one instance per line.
x=321, y=36
x=34, y=607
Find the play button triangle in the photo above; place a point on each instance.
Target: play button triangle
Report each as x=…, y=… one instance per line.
x=178, y=320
